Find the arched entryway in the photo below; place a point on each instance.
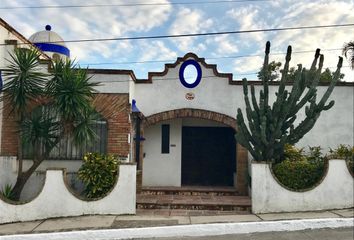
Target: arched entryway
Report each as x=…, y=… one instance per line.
x=186, y=128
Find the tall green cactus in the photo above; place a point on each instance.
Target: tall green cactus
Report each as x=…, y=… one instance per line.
x=269, y=127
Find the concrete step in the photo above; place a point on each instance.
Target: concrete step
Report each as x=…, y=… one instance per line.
x=190, y=191
x=194, y=202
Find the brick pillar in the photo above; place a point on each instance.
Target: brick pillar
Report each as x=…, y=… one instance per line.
x=9, y=132
x=242, y=170
x=115, y=109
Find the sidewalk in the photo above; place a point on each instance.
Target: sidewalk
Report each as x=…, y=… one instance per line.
x=144, y=221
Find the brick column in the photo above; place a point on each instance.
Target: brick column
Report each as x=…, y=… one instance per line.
x=115, y=109
x=9, y=131
x=242, y=170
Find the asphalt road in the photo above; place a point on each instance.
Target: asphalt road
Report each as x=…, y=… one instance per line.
x=320, y=234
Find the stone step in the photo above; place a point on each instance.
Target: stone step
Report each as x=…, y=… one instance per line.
x=183, y=212
x=194, y=202
x=190, y=191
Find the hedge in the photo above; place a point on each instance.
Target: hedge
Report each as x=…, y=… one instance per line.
x=299, y=171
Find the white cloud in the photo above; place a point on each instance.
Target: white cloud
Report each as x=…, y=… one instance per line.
x=247, y=18
x=156, y=50
x=293, y=14
x=107, y=22
x=189, y=21
x=90, y=23
x=247, y=65
x=224, y=45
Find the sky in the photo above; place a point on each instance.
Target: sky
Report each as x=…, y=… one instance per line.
x=240, y=54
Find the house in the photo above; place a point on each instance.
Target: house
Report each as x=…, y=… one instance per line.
x=179, y=131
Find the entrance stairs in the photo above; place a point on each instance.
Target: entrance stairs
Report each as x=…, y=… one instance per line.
x=192, y=200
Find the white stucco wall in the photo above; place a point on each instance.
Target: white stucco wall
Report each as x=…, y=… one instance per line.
x=167, y=93
x=162, y=169
x=335, y=126
x=111, y=83
x=165, y=169
x=336, y=191
x=214, y=93
x=5, y=50
x=121, y=200
x=8, y=174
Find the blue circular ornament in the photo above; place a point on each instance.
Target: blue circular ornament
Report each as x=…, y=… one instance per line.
x=48, y=27
x=199, y=73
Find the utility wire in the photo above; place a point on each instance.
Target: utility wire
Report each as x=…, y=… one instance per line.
x=176, y=78
x=199, y=34
x=208, y=58
x=130, y=4
x=207, y=76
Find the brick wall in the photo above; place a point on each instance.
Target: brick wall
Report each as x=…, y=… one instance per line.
x=113, y=107
x=194, y=113
x=9, y=130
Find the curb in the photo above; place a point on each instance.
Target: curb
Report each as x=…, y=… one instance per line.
x=196, y=230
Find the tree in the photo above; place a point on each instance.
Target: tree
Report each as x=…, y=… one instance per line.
x=326, y=76
x=273, y=69
x=348, y=51
x=68, y=93
x=270, y=127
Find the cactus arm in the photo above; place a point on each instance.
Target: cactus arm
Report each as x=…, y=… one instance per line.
x=271, y=127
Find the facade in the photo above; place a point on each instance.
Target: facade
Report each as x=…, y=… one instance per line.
x=179, y=131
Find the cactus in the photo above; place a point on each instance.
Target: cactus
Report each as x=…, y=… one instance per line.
x=270, y=127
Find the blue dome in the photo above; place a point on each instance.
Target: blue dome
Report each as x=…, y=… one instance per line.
x=50, y=42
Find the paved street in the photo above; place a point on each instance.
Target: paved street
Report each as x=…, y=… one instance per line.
x=321, y=234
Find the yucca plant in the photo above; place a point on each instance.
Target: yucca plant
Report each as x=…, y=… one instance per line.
x=72, y=91
x=67, y=92
x=24, y=84
x=6, y=192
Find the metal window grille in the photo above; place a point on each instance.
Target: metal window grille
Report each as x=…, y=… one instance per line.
x=66, y=149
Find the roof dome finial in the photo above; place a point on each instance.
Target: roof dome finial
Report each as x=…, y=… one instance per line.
x=51, y=43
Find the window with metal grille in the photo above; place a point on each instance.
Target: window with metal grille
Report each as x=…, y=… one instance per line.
x=66, y=149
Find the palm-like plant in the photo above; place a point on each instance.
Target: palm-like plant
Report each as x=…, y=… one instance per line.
x=24, y=84
x=69, y=93
x=42, y=130
x=25, y=81
x=348, y=51
x=72, y=93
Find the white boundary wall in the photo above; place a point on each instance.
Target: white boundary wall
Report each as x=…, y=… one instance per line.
x=55, y=200
x=8, y=174
x=336, y=191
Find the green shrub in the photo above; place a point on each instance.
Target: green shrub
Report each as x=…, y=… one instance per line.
x=298, y=175
x=292, y=153
x=343, y=152
x=300, y=170
x=7, y=191
x=98, y=173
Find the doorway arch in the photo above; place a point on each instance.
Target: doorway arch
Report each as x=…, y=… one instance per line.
x=241, y=153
